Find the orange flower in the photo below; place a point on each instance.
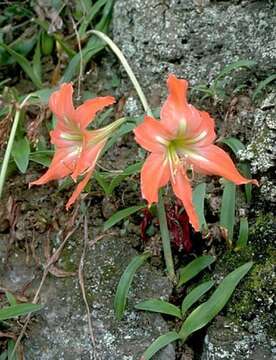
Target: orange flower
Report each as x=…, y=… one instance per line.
x=182, y=140
x=76, y=149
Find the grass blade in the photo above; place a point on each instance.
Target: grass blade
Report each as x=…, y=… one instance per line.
x=198, y=201
x=160, y=306
x=195, y=295
x=24, y=63
x=234, y=66
x=18, y=310
x=262, y=85
x=90, y=16
x=125, y=282
x=243, y=234
x=120, y=215
x=205, y=312
x=227, y=212
x=194, y=268
x=159, y=344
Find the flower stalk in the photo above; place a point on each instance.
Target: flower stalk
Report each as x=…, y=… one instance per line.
x=160, y=206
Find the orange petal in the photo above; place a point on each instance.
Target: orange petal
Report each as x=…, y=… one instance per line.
x=79, y=189
x=88, y=158
x=86, y=112
x=150, y=135
x=61, y=103
x=155, y=173
x=204, y=134
x=182, y=189
x=212, y=160
x=63, y=163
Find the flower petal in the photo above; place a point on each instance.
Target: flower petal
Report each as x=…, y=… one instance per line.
x=204, y=134
x=88, y=158
x=183, y=190
x=212, y=160
x=61, y=103
x=150, y=135
x=155, y=173
x=81, y=185
x=86, y=112
x=63, y=163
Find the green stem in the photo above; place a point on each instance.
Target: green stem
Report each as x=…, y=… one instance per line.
x=160, y=206
x=127, y=68
x=8, y=151
x=166, y=241
x=10, y=144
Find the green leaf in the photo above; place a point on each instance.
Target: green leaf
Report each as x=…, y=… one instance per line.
x=18, y=310
x=42, y=157
x=227, y=212
x=21, y=153
x=120, y=215
x=195, y=295
x=126, y=128
x=4, y=355
x=101, y=180
x=198, y=201
x=205, y=312
x=11, y=345
x=194, y=268
x=243, y=234
x=235, y=144
x=125, y=282
x=37, y=60
x=24, y=63
x=234, y=66
x=262, y=85
x=11, y=299
x=159, y=344
x=90, y=16
x=130, y=170
x=160, y=306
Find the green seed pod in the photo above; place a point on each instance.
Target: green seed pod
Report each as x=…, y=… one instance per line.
x=47, y=43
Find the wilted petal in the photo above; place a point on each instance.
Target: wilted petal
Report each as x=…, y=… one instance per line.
x=79, y=189
x=152, y=135
x=155, y=173
x=212, y=160
x=86, y=112
x=182, y=189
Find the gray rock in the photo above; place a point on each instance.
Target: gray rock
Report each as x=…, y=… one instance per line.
x=60, y=330
x=227, y=341
x=193, y=39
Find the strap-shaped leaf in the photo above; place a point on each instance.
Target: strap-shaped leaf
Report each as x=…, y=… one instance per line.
x=205, y=312
x=125, y=282
x=18, y=310
x=194, y=267
x=21, y=153
x=24, y=63
x=228, y=207
x=243, y=234
x=198, y=201
x=159, y=344
x=120, y=215
x=160, y=306
x=195, y=295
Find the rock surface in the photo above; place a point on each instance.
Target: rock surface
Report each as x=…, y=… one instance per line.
x=229, y=342
x=60, y=330
x=193, y=39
